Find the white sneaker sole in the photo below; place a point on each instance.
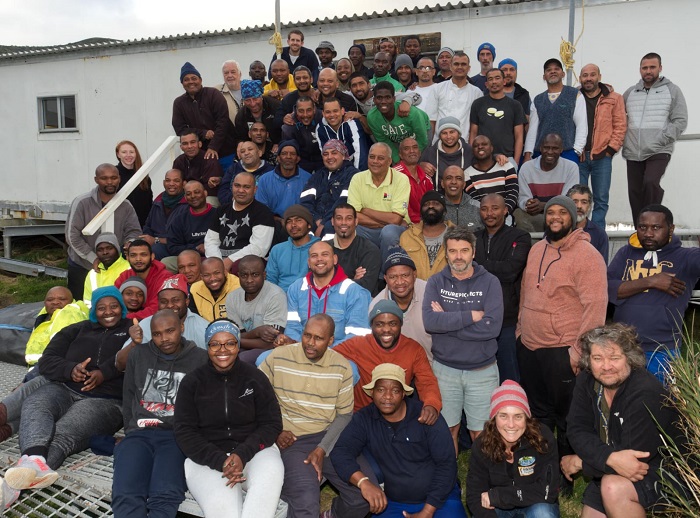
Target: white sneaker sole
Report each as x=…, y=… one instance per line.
x=26, y=478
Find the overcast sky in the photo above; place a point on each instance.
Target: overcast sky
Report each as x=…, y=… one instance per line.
x=56, y=22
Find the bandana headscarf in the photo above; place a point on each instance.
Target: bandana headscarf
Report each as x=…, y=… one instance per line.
x=251, y=89
x=338, y=146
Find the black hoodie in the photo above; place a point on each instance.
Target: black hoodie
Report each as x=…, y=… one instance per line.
x=151, y=381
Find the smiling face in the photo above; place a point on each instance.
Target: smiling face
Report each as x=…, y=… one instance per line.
x=140, y=258
x=609, y=365
x=190, y=145
x=551, y=149
x=553, y=74
x=174, y=300
x=404, y=73
x=305, y=111
x=223, y=351
x=166, y=332
x=653, y=230
x=295, y=42
x=133, y=298
x=400, y=280
x=327, y=82
x=322, y=259
x=303, y=80
x=249, y=154
x=172, y=183
x=386, y=330
x=196, y=195
x=384, y=101
x=333, y=113
x=453, y=182
x=379, y=159
x=333, y=159
x=213, y=274
x=192, y=84
x=258, y=133
x=316, y=339
x=232, y=76
x=127, y=155
x=344, y=222
x=409, y=151
x=108, y=312
x=557, y=222
x=449, y=137
x=590, y=79
x=495, y=81
x=343, y=68
x=511, y=423
x=254, y=104
x=297, y=228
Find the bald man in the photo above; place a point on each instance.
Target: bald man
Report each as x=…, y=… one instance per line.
x=282, y=81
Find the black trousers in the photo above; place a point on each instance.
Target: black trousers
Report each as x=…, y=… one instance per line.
x=76, y=279
x=548, y=381
x=644, y=182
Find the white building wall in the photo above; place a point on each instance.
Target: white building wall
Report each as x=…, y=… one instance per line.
x=127, y=92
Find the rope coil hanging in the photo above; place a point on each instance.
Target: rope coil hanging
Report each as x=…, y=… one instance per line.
x=567, y=49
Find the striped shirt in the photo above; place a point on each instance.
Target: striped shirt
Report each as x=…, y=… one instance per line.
x=500, y=179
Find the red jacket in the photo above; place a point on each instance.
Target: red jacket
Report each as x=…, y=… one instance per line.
x=154, y=280
x=418, y=189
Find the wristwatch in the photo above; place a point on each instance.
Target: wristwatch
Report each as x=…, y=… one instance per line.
x=157, y=240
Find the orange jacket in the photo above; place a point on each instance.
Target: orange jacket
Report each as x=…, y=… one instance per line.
x=609, y=123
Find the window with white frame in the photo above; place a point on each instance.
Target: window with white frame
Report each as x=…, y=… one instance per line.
x=57, y=114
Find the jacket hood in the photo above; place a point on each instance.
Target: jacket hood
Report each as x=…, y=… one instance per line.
x=577, y=235
x=662, y=81
x=674, y=244
x=462, y=145
x=338, y=277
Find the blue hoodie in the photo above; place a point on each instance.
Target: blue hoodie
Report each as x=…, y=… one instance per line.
x=280, y=193
x=657, y=315
x=288, y=262
x=458, y=341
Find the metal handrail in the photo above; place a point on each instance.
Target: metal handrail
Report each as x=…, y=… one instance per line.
x=104, y=220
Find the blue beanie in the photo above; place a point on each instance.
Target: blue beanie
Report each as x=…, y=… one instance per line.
x=99, y=294
x=486, y=46
x=222, y=326
x=508, y=61
x=360, y=46
x=188, y=68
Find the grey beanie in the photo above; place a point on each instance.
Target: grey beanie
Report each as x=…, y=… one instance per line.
x=565, y=202
x=403, y=60
x=108, y=237
x=134, y=282
x=386, y=306
x=449, y=123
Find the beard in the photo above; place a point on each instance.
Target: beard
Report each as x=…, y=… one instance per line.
x=558, y=235
x=432, y=217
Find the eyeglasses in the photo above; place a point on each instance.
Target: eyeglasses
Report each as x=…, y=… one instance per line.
x=426, y=68
x=217, y=346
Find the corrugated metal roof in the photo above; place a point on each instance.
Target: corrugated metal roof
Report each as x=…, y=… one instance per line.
x=74, y=47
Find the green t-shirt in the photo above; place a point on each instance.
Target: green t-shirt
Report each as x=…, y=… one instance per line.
x=416, y=126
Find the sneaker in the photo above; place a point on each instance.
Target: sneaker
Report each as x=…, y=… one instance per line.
x=326, y=514
x=30, y=473
x=8, y=496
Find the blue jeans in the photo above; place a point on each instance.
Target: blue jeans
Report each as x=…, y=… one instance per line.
x=658, y=362
x=149, y=475
x=384, y=237
x=600, y=173
x=542, y=510
x=453, y=508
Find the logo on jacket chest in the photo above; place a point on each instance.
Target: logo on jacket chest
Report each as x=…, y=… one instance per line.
x=526, y=465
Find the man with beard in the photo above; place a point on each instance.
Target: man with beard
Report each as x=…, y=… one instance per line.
x=231, y=88
x=284, y=114
x=208, y=296
x=607, y=125
x=449, y=149
x=194, y=167
x=328, y=186
x=81, y=248
x=350, y=132
x=560, y=109
x=357, y=255
x=616, y=413
x=303, y=131
x=487, y=176
x=582, y=197
x=363, y=94
x=112, y=264
x=148, y=451
x=173, y=295
x=409, y=152
x=249, y=161
x=155, y=228
x=462, y=209
x=389, y=127
x=463, y=311
x=188, y=226
x=503, y=251
x=258, y=307
x=256, y=108
x=189, y=263
x=313, y=385
x=287, y=261
x=281, y=188
x=423, y=241
x=498, y=117
x=144, y=264
x=243, y=227
x=650, y=282
x=326, y=289
x=386, y=344
x=407, y=290
x=203, y=109
x=485, y=55
x=281, y=82
x=512, y=89
x=563, y=295
x=541, y=179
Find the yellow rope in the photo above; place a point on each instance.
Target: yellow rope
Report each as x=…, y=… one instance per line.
x=567, y=49
x=276, y=40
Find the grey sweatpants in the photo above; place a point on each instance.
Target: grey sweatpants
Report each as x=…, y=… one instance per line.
x=57, y=422
x=15, y=399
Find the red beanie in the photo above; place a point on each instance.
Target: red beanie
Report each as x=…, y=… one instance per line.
x=510, y=393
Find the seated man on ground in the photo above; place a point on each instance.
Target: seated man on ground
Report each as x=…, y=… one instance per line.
x=149, y=474
x=288, y=261
x=617, y=410
x=84, y=398
x=152, y=272
x=258, y=308
x=391, y=430
x=208, y=296
x=313, y=385
x=387, y=343
x=109, y=252
x=326, y=289
x=155, y=229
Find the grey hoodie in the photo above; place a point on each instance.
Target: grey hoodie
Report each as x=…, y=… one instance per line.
x=655, y=119
x=151, y=381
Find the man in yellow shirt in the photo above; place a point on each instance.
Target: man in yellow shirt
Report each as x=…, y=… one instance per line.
x=282, y=81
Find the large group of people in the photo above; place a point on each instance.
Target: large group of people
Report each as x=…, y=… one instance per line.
x=338, y=284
